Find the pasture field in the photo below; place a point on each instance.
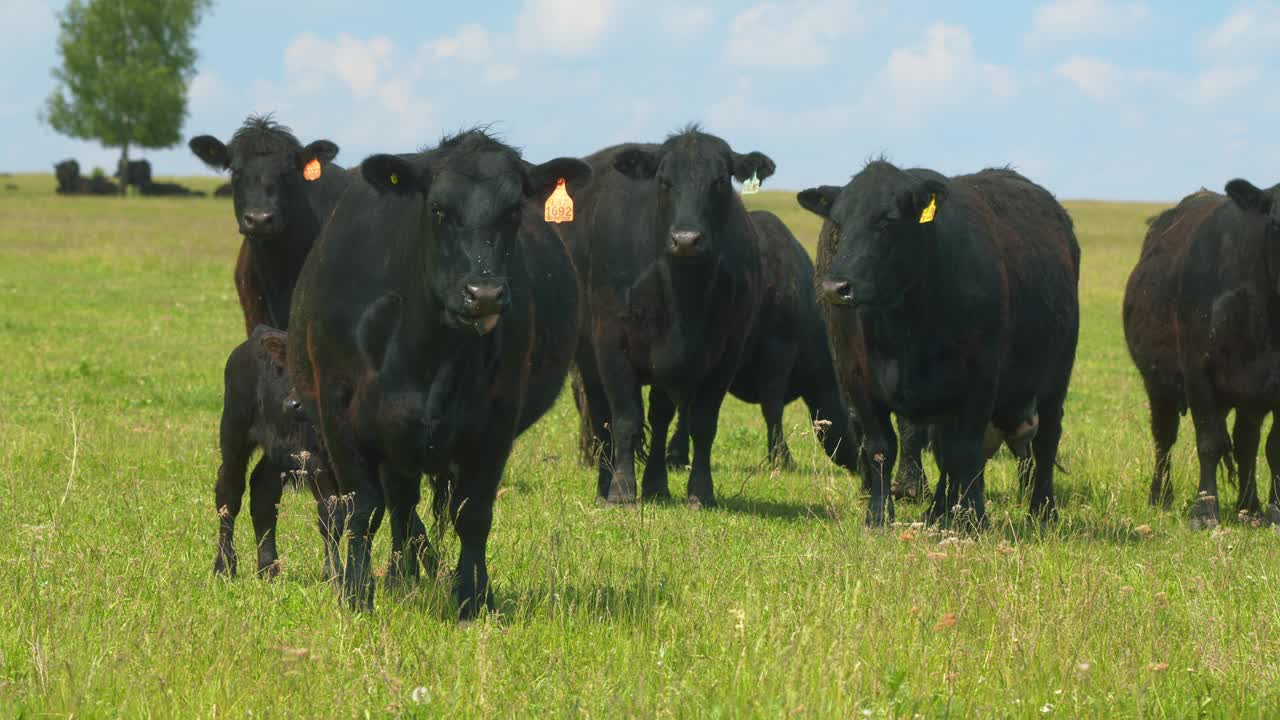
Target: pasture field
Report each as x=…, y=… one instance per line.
x=116, y=316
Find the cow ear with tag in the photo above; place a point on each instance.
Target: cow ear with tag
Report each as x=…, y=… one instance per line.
x=393, y=174
x=312, y=158
x=752, y=165
x=818, y=200
x=922, y=201
x=541, y=180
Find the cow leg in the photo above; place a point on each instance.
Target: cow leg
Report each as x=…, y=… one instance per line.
x=471, y=508
x=910, y=483
x=408, y=534
x=678, y=445
x=959, y=450
x=331, y=514
x=1044, y=451
x=228, y=493
x=626, y=427
x=586, y=434
x=1273, y=463
x=1212, y=443
x=772, y=404
x=840, y=435
x=266, y=485
x=879, y=449
x=1248, y=433
x=1164, y=433
x=661, y=410
x=704, y=417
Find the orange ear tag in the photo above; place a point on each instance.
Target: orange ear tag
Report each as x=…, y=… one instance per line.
x=311, y=171
x=559, y=207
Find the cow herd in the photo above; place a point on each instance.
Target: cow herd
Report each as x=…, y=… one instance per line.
x=414, y=315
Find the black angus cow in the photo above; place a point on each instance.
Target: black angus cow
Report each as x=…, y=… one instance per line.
x=257, y=413
x=433, y=323
x=787, y=356
x=70, y=182
x=1228, y=329
x=1150, y=301
x=223, y=190
x=951, y=302
x=278, y=211
x=133, y=172
x=670, y=262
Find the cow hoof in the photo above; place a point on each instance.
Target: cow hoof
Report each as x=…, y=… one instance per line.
x=269, y=571
x=470, y=609
x=615, y=500
x=224, y=566
x=1204, y=514
x=909, y=485
x=678, y=462
x=701, y=503
x=656, y=495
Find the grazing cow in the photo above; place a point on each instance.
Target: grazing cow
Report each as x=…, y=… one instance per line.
x=951, y=302
x=787, y=356
x=1228, y=331
x=257, y=413
x=433, y=323
x=670, y=261
x=278, y=209
x=1150, y=299
x=70, y=182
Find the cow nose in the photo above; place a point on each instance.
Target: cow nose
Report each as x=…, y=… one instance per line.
x=486, y=298
x=686, y=242
x=257, y=220
x=835, y=292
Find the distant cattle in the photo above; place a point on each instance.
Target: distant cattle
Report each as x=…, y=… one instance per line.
x=136, y=173
x=433, y=323
x=670, y=260
x=1150, y=305
x=951, y=302
x=223, y=190
x=70, y=182
x=256, y=415
x=787, y=356
x=1228, y=330
x=278, y=210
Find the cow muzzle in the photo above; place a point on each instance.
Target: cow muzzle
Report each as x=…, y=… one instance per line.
x=687, y=243
x=483, y=303
x=835, y=292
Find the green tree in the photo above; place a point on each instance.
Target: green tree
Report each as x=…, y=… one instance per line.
x=125, y=69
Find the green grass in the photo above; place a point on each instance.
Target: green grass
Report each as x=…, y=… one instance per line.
x=116, y=317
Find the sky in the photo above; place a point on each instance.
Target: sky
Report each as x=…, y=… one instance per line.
x=1106, y=99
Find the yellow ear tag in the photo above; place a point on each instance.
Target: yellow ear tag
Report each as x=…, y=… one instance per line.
x=311, y=171
x=395, y=179
x=559, y=207
x=751, y=186
x=926, y=215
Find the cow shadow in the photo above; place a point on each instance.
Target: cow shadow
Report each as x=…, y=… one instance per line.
x=775, y=509
x=632, y=602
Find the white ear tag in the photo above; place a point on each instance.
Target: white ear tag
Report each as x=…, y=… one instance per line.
x=751, y=186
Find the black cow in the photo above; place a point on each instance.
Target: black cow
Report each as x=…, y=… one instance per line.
x=670, y=261
x=223, y=190
x=434, y=322
x=951, y=302
x=70, y=182
x=787, y=356
x=256, y=414
x=168, y=189
x=133, y=172
x=1228, y=330
x=279, y=212
x=1150, y=300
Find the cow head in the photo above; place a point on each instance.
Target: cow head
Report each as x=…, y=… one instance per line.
x=277, y=405
x=267, y=165
x=1265, y=205
x=873, y=246
x=475, y=192
x=692, y=172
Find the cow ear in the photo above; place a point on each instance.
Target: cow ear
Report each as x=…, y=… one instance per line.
x=321, y=150
x=1249, y=197
x=377, y=329
x=276, y=344
x=818, y=200
x=753, y=164
x=542, y=179
x=394, y=174
x=211, y=151
x=922, y=201
x=636, y=164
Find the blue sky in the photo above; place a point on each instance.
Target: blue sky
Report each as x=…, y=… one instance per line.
x=1116, y=99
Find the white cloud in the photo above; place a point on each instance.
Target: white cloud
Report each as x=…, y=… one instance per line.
x=563, y=27
x=685, y=19
x=1218, y=83
x=1063, y=20
x=1092, y=76
x=470, y=43
x=1251, y=30
x=794, y=35
x=945, y=69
